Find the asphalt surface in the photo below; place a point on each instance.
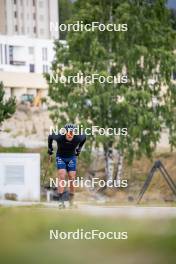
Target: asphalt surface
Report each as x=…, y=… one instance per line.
x=132, y=211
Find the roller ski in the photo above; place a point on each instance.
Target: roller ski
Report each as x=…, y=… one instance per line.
x=73, y=206
x=61, y=200
x=61, y=205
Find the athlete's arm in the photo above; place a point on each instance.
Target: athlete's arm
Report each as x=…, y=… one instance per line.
x=50, y=143
x=78, y=149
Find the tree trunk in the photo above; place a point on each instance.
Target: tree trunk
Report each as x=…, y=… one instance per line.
x=119, y=170
x=109, y=169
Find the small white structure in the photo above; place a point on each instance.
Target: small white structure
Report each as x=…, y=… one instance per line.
x=20, y=175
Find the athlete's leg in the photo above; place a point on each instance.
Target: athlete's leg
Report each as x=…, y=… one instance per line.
x=61, y=173
x=71, y=168
x=61, y=179
x=61, y=182
x=71, y=177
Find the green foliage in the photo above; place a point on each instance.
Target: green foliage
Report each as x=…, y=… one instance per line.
x=8, y=107
x=65, y=13
x=145, y=51
x=173, y=18
x=13, y=149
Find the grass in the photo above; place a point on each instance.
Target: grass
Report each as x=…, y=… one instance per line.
x=158, y=191
x=13, y=150
x=24, y=238
x=7, y=130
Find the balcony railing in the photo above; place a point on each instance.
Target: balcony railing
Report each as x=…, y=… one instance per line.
x=17, y=62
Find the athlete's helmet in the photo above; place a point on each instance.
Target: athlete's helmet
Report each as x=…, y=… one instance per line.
x=69, y=127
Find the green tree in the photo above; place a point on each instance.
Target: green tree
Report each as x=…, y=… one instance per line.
x=8, y=107
x=173, y=18
x=145, y=53
x=65, y=13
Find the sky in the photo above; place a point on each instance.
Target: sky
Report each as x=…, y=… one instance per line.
x=172, y=3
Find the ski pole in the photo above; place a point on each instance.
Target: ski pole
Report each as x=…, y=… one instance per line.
x=46, y=171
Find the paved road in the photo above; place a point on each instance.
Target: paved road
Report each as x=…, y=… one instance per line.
x=109, y=211
x=130, y=211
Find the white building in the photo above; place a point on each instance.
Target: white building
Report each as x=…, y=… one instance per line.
x=28, y=17
x=20, y=176
x=24, y=54
x=23, y=60
x=26, y=45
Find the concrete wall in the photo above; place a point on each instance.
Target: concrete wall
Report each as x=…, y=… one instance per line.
x=54, y=17
x=28, y=18
x=16, y=83
x=2, y=17
x=20, y=174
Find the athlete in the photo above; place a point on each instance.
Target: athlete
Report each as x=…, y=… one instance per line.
x=69, y=147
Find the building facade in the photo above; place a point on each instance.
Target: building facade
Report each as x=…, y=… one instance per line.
x=23, y=54
x=28, y=17
x=26, y=45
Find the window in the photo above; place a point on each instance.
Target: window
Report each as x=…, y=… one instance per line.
x=14, y=2
x=16, y=28
x=41, y=31
x=1, y=59
x=31, y=50
x=44, y=54
x=14, y=174
x=34, y=16
x=15, y=14
x=45, y=68
x=33, y=2
x=41, y=4
x=34, y=30
x=31, y=68
x=11, y=54
x=5, y=54
x=41, y=17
